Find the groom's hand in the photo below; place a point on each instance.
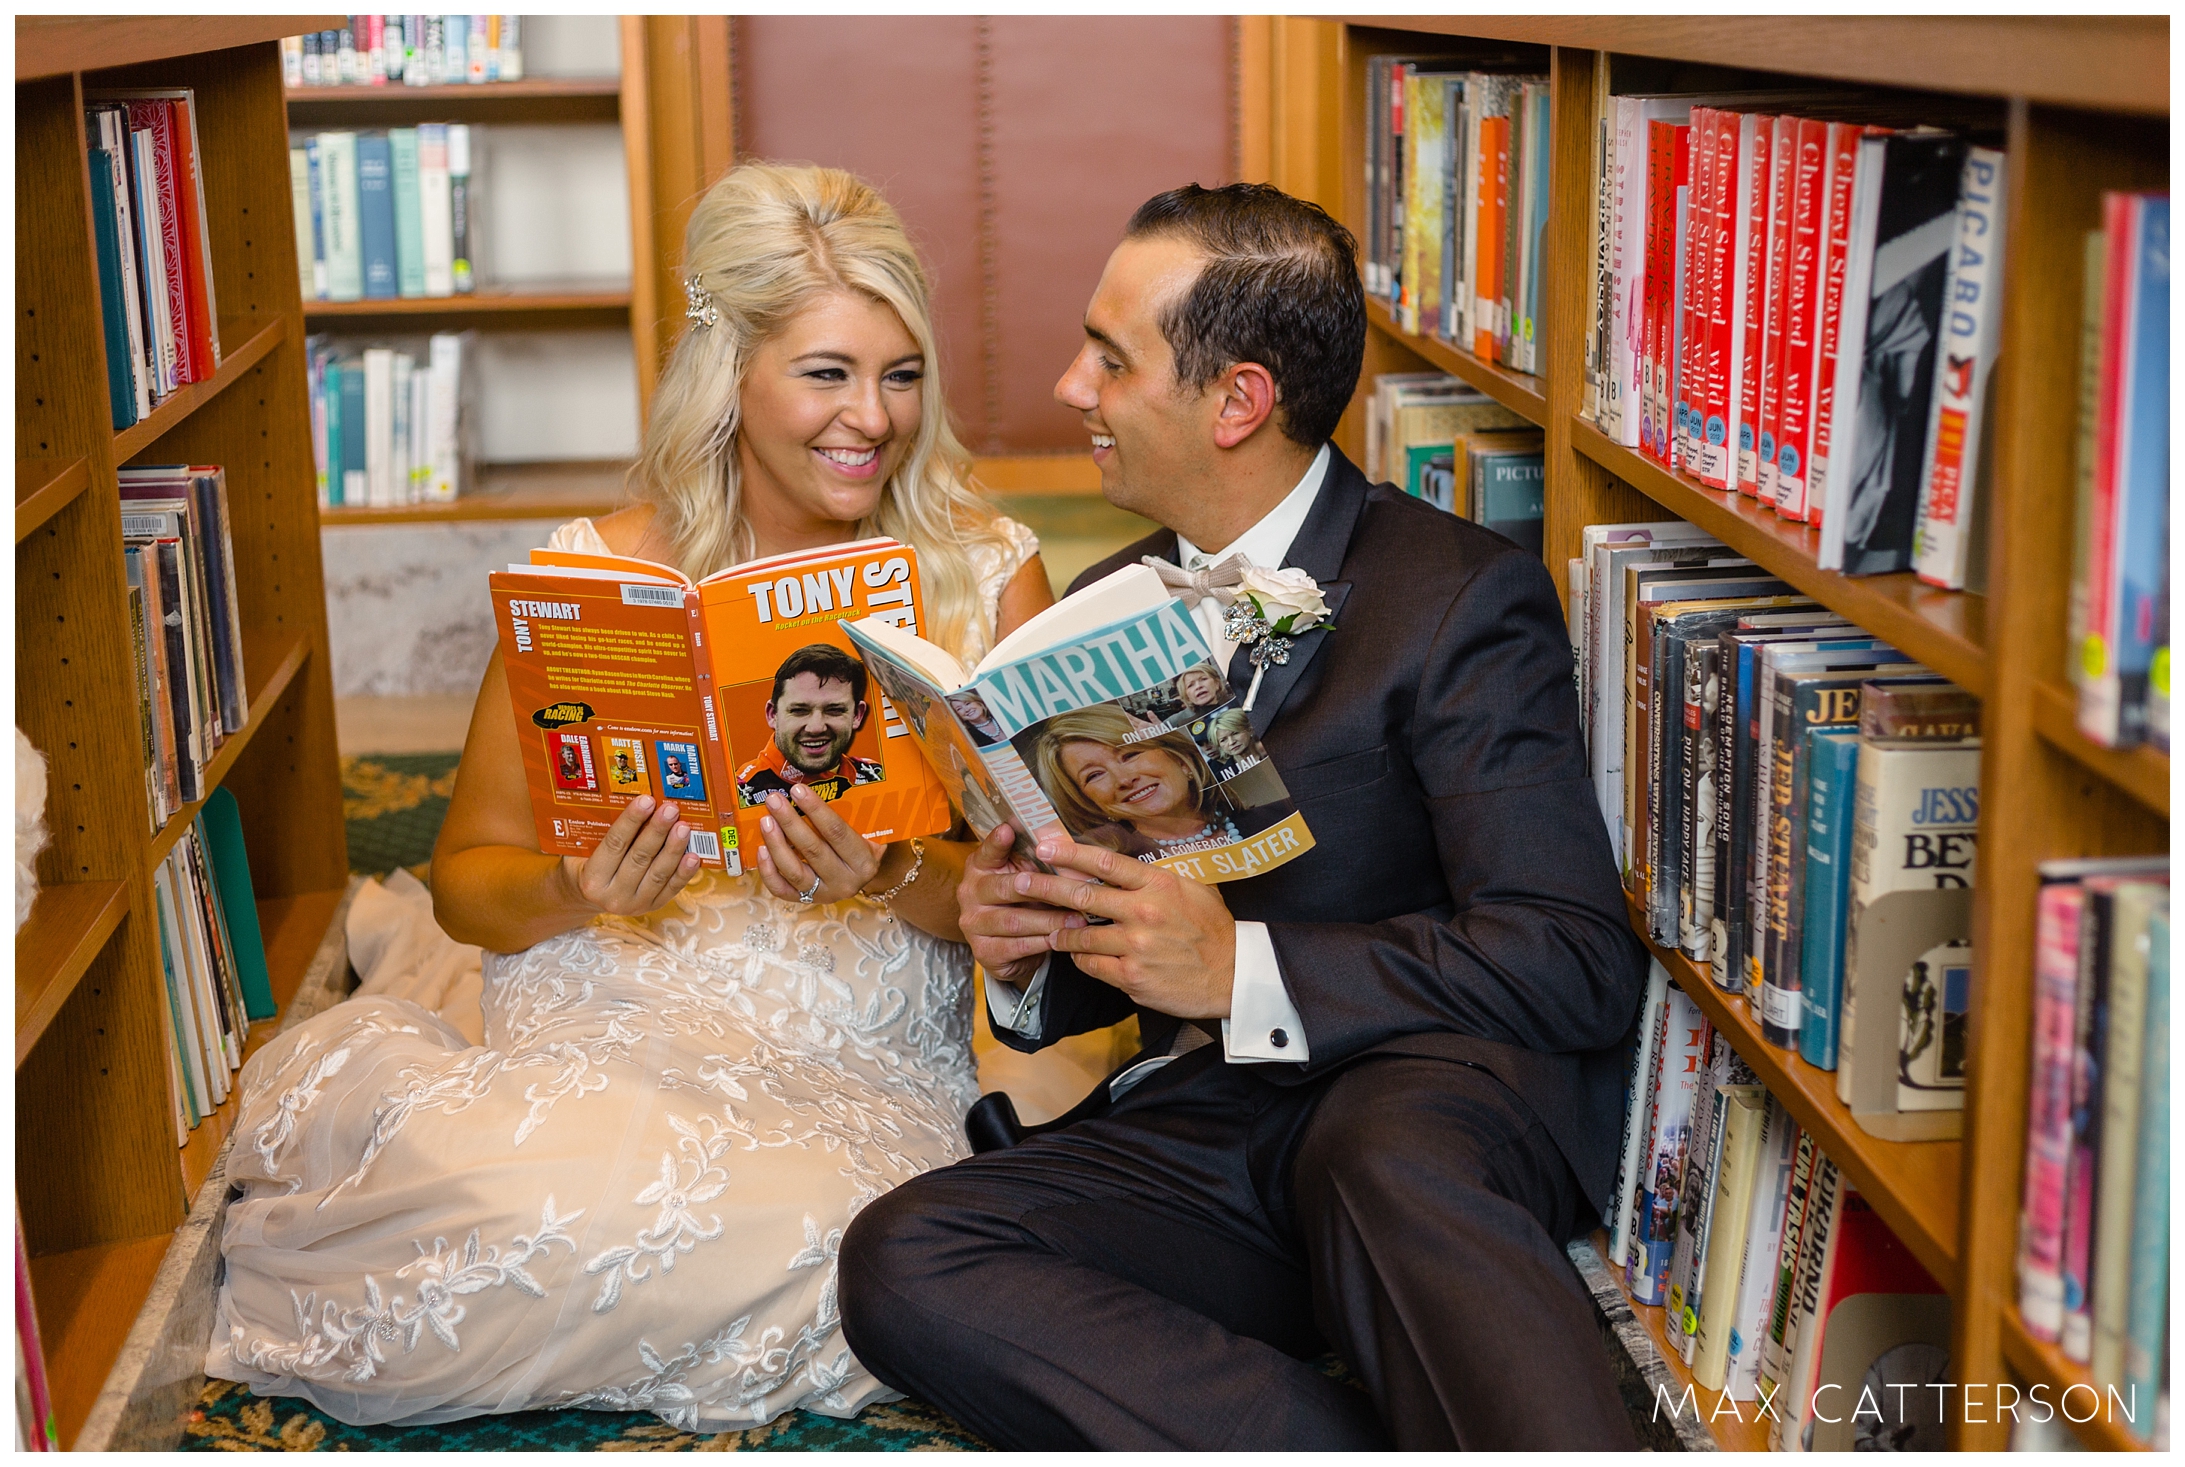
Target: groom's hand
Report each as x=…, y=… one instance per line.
x=1007, y=930
x=1168, y=941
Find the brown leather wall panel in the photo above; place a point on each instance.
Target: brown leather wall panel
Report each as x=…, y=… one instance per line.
x=1085, y=117
x=1092, y=115
x=895, y=101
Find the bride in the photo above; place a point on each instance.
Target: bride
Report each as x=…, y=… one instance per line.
x=631, y=1196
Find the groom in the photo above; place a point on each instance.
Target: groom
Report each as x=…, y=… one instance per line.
x=1382, y=1084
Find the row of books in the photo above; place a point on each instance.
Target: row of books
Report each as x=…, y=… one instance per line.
x=1770, y=774
x=384, y=215
x=1777, y=1279
x=1798, y=295
x=213, y=956
x=2120, y=585
x=2094, y=1237
x=153, y=240
x=185, y=626
x=1449, y=444
x=407, y=50
x=391, y=425
x=1457, y=201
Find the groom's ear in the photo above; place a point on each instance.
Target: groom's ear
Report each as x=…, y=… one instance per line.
x=1245, y=398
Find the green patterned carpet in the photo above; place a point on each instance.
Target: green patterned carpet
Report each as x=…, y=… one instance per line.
x=393, y=804
x=230, y=1419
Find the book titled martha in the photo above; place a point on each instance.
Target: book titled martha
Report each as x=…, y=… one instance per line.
x=1106, y=718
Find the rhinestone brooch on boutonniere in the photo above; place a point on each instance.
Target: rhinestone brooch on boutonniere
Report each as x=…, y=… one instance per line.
x=1273, y=608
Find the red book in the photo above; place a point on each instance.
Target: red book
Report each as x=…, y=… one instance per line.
x=1782, y=194
x=1718, y=460
x=1690, y=383
x=158, y=118
x=1661, y=170
x=1754, y=248
x=1494, y=190
x=1808, y=238
x=196, y=244
x=1843, y=172
x=375, y=41
x=2119, y=237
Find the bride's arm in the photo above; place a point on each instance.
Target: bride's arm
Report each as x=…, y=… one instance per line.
x=492, y=886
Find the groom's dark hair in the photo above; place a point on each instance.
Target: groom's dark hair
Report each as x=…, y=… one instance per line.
x=1280, y=288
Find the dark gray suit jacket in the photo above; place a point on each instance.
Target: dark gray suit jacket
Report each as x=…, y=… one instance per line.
x=1460, y=901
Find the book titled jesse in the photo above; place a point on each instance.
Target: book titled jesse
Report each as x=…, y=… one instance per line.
x=1105, y=717
x=627, y=678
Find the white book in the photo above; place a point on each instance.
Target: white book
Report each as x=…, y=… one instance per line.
x=511, y=48
x=299, y=202
x=420, y=444
x=1736, y=1185
x=446, y=369
x=189, y=1040
x=398, y=469
x=435, y=206
x=1945, y=545
x=1638, y=1107
x=1763, y=1245
x=189, y=970
x=378, y=426
x=155, y=260
x=1833, y=490
x=338, y=215
x=1606, y=680
x=114, y=138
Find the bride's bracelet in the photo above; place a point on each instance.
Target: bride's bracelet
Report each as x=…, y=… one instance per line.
x=917, y=864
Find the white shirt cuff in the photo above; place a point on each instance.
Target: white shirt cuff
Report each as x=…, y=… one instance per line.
x=1015, y=1009
x=1263, y=1025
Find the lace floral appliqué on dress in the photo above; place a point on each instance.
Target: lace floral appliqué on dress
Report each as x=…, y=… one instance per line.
x=631, y=1196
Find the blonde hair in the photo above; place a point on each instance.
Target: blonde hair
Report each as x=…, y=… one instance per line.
x=1104, y=723
x=762, y=243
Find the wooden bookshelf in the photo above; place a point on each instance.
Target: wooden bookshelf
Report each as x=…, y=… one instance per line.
x=545, y=307
x=2142, y=773
x=2044, y=1363
x=543, y=99
x=43, y=489
x=68, y=926
x=91, y=1022
x=2086, y=101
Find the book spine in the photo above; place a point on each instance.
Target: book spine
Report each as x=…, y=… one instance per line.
x=1676, y=307
x=1972, y=328
x=1685, y=1046
x=407, y=194
x=376, y=215
x=2092, y=313
x=1687, y=385
x=113, y=309
x=344, y=245
x=1819, y=1248
x=2146, y=1336
x=393, y=45
x=1723, y=969
x=1626, y=271
x=1638, y=1114
x=1775, y=1344
x=1737, y=1178
x=2124, y=1052
x=1749, y=301
x=1702, y=780
x=197, y=234
x=459, y=202
x=511, y=48
x=1808, y=245
x=2090, y=1003
x=1781, y=1005
x=375, y=50
x=475, y=50
x=152, y=283
x=1834, y=763
x=1695, y=1193
x=1843, y=154
x=292, y=61
x=1763, y=1247
x=157, y=120
x=1712, y=412
x=1782, y=196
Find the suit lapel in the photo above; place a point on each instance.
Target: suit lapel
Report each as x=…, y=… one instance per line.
x=1321, y=543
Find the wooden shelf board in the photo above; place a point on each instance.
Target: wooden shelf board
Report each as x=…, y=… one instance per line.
x=1038, y=473
x=1944, y=629
x=2142, y=773
x=293, y=928
x=1912, y=1184
x=43, y=488
x=1522, y=394
x=512, y=491
x=2042, y=1362
x=553, y=303
x=51, y=45
x=270, y=663
x=2110, y=63
x=1736, y=1426
x=87, y=1302
x=234, y=362
x=542, y=99
x=69, y=925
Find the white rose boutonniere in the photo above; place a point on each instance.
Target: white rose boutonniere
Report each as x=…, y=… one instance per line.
x=1272, y=608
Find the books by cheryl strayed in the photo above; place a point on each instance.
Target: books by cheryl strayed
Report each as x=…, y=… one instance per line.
x=1108, y=718
x=629, y=679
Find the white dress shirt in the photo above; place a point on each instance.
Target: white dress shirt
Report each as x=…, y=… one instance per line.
x=1263, y=1024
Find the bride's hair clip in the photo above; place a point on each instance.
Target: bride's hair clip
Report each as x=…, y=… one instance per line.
x=701, y=308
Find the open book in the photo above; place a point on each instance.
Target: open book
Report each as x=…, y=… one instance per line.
x=627, y=678
x=1107, y=718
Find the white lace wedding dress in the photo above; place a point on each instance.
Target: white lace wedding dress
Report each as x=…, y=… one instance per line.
x=631, y=1196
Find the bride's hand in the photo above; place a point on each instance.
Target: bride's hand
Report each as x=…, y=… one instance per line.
x=804, y=840
x=640, y=864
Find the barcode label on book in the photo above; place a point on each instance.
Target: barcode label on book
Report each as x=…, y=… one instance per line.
x=152, y=525
x=652, y=596
x=705, y=845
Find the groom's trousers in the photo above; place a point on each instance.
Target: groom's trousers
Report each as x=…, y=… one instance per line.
x=1159, y=1276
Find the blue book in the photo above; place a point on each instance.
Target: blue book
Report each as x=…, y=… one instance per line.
x=2143, y=473
x=1833, y=773
x=2146, y=1327
x=376, y=215
x=353, y=487
x=318, y=219
x=330, y=393
x=409, y=212
x=120, y=386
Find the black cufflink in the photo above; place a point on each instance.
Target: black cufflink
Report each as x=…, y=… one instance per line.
x=1279, y=1039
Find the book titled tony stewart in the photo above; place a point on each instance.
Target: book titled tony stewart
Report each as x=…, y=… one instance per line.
x=1106, y=718
x=629, y=679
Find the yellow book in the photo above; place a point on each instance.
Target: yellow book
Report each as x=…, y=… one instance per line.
x=1735, y=1178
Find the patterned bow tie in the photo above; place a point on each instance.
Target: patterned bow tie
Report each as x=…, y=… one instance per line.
x=1219, y=580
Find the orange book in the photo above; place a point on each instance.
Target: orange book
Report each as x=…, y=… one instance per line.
x=1494, y=198
x=627, y=678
